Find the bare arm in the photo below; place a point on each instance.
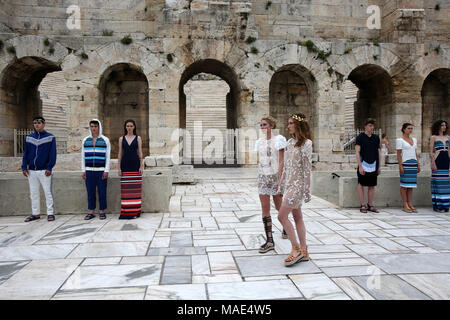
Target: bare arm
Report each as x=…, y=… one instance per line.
x=358, y=159
x=141, y=155
x=432, y=163
x=119, y=156
x=400, y=161
x=280, y=161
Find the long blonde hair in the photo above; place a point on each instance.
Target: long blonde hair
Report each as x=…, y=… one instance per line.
x=302, y=129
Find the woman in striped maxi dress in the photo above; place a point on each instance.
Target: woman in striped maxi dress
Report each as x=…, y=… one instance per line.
x=130, y=171
x=439, y=158
x=408, y=166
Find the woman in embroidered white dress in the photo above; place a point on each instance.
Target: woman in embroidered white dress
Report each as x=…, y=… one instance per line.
x=270, y=149
x=295, y=185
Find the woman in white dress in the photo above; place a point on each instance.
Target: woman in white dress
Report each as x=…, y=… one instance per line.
x=295, y=185
x=270, y=149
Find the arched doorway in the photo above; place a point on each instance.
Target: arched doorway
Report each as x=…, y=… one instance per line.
x=435, y=102
x=292, y=89
x=374, y=98
x=225, y=151
x=20, y=99
x=124, y=95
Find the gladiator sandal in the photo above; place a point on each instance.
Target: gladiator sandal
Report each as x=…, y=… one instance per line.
x=295, y=256
x=269, y=245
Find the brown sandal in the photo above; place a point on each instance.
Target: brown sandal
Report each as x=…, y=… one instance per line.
x=372, y=209
x=363, y=209
x=294, y=258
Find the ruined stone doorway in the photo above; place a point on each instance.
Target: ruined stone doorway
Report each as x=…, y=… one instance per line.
x=292, y=90
x=374, y=98
x=224, y=94
x=124, y=95
x=20, y=99
x=435, y=102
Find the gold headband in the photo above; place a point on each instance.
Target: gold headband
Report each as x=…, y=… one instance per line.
x=296, y=117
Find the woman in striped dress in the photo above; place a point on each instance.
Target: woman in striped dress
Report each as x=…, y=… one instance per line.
x=130, y=171
x=408, y=166
x=439, y=158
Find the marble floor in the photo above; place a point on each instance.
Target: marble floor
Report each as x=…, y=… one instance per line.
x=206, y=247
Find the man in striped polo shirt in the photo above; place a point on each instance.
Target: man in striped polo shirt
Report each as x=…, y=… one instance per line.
x=95, y=158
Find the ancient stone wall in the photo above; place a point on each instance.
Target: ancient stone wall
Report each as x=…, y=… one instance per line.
x=245, y=43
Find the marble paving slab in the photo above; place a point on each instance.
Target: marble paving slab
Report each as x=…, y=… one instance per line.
x=352, y=289
x=72, y=233
x=86, y=277
x=318, y=286
x=123, y=236
x=8, y=269
x=436, y=286
x=254, y=266
x=435, y=242
x=131, y=293
x=412, y=263
x=109, y=249
x=36, y=252
x=176, y=292
x=254, y=290
x=390, y=287
x=35, y=281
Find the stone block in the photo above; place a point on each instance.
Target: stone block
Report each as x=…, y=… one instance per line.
x=164, y=160
x=70, y=193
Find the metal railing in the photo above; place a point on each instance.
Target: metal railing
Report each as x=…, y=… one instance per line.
x=350, y=139
x=20, y=136
x=19, y=141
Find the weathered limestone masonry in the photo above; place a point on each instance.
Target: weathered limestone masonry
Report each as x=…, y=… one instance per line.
x=255, y=46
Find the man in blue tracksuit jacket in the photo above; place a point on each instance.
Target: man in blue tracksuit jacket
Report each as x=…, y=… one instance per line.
x=38, y=161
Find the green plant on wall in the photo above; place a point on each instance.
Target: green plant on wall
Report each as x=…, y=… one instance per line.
x=330, y=71
x=250, y=40
x=126, y=40
x=84, y=56
x=11, y=50
x=170, y=57
x=268, y=4
x=107, y=33
x=46, y=42
x=254, y=50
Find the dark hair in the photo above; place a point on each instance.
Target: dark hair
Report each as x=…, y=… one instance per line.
x=369, y=121
x=125, y=127
x=94, y=122
x=436, y=126
x=406, y=125
x=383, y=135
x=40, y=118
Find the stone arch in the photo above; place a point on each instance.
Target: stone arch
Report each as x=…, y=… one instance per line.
x=292, y=89
x=435, y=102
x=319, y=84
x=226, y=73
x=369, y=54
x=374, y=98
x=20, y=77
x=123, y=94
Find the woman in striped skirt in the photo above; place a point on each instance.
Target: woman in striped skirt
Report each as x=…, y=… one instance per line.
x=439, y=158
x=130, y=171
x=408, y=166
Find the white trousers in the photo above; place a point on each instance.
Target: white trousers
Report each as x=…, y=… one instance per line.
x=36, y=179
